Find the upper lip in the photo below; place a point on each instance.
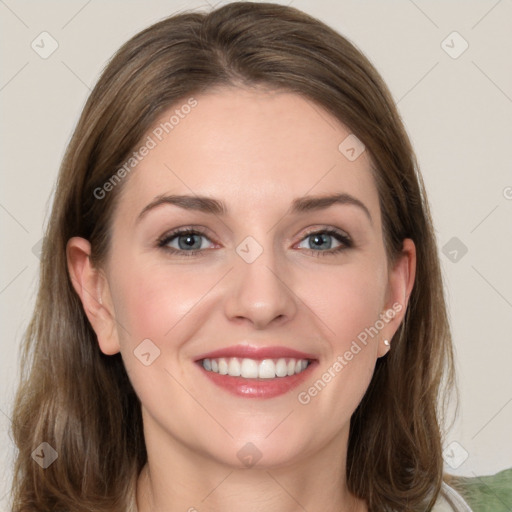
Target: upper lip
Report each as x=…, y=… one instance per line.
x=253, y=352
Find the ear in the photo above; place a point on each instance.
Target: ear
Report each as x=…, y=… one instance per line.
x=91, y=285
x=400, y=284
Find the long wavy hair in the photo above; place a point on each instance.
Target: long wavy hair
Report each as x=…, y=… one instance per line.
x=81, y=402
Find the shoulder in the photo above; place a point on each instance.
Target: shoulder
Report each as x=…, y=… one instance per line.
x=450, y=500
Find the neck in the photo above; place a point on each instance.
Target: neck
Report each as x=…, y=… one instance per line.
x=178, y=479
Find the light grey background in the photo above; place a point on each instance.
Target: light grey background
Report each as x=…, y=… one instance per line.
x=457, y=109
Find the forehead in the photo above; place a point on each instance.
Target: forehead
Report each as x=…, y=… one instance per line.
x=256, y=150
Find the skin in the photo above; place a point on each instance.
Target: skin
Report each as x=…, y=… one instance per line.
x=257, y=151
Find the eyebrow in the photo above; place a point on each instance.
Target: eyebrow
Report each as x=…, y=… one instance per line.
x=215, y=207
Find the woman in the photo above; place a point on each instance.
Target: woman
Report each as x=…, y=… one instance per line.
x=240, y=303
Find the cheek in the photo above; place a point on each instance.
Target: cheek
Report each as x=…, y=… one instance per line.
x=152, y=300
x=161, y=304
x=347, y=300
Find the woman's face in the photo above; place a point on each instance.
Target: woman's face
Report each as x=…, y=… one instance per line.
x=270, y=279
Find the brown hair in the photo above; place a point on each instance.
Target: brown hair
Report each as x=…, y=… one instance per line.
x=81, y=401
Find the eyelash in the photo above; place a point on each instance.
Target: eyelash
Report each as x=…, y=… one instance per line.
x=168, y=237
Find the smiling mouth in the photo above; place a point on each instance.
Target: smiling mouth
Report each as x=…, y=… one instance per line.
x=257, y=378
x=247, y=368
x=262, y=372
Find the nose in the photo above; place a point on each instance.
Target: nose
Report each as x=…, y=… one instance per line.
x=259, y=293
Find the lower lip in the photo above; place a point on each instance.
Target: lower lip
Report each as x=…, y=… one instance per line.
x=258, y=388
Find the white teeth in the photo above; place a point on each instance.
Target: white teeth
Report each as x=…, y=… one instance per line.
x=253, y=369
x=267, y=369
x=223, y=366
x=249, y=369
x=233, y=368
x=281, y=368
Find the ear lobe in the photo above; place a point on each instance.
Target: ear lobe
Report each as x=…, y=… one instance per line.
x=400, y=285
x=92, y=287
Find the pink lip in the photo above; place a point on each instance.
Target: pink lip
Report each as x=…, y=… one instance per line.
x=257, y=388
x=258, y=353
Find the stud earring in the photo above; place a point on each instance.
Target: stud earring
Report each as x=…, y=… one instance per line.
x=386, y=342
